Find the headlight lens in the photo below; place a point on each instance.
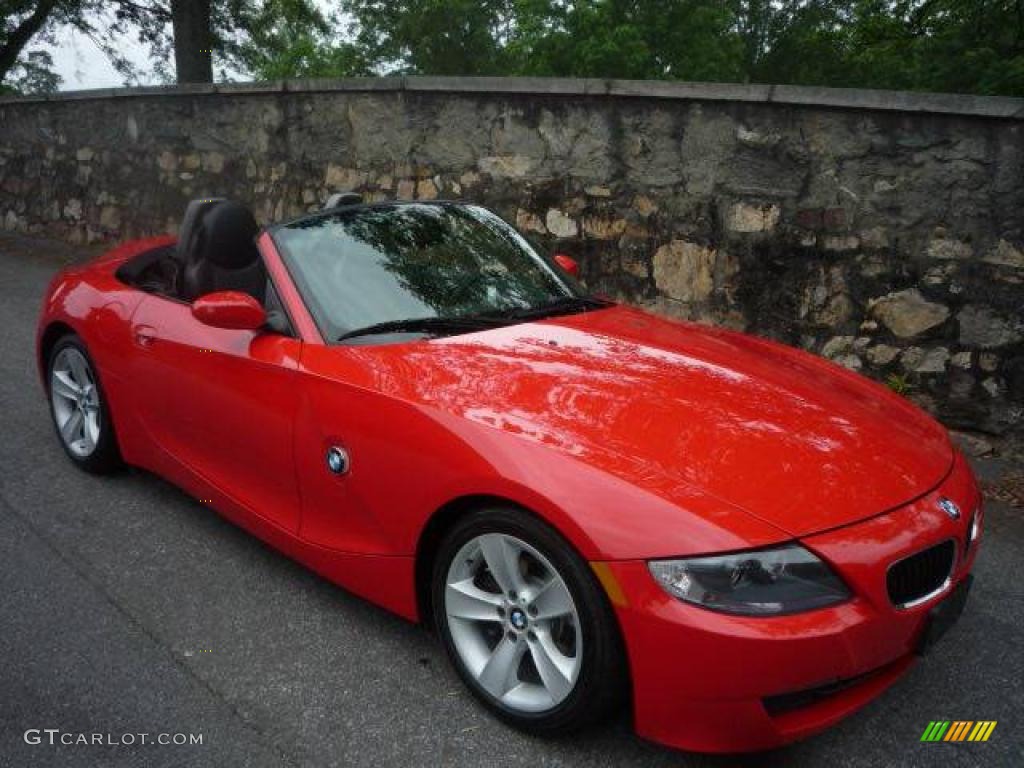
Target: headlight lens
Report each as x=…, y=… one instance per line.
x=765, y=582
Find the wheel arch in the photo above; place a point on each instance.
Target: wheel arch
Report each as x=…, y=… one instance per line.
x=433, y=533
x=448, y=515
x=442, y=521
x=52, y=333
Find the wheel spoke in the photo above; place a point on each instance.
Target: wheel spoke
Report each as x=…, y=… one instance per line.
x=499, y=673
x=71, y=430
x=91, y=432
x=555, y=669
x=502, y=558
x=464, y=600
x=64, y=386
x=79, y=371
x=553, y=600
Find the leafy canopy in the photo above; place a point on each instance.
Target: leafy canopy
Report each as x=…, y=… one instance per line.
x=969, y=46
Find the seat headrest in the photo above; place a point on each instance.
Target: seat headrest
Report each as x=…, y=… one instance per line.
x=190, y=225
x=228, y=236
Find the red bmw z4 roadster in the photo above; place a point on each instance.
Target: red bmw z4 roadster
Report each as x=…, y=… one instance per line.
x=590, y=504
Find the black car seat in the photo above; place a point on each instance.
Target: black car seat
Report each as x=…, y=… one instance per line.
x=189, y=225
x=218, y=251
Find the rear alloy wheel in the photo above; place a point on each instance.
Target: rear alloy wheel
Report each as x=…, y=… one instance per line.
x=525, y=623
x=79, y=412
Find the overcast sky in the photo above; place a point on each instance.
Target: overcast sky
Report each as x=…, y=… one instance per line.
x=82, y=65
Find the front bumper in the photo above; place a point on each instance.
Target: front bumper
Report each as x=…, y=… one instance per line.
x=712, y=682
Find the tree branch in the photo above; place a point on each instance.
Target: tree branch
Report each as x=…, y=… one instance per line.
x=158, y=12
x=22, y=34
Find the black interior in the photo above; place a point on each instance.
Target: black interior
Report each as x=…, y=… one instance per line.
x=153, y=271
x=220, y=253
x=190, y=224
x=216, y=251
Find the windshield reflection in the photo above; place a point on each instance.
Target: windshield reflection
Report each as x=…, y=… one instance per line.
x=369, y=265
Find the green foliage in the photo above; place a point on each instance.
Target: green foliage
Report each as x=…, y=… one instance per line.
x=680, y=39
x=291, y=38
x=440, y=37
x=969, y=46
x=259, y=38
x=25, y=23
x=898, y=383
x=33, y=73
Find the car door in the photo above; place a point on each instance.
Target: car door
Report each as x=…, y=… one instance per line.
x=221, y=402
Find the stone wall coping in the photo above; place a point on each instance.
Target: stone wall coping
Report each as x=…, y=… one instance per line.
x=998, y=107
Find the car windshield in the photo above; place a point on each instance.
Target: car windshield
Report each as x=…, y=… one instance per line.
x=417, y=267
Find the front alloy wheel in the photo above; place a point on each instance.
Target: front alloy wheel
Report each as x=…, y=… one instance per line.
x=525, y=622
x=513, y=622
x=79, y=413
x=76, y=402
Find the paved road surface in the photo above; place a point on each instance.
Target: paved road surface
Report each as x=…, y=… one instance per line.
x=127, y=607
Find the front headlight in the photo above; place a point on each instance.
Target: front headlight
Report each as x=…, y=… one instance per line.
x=765, y=582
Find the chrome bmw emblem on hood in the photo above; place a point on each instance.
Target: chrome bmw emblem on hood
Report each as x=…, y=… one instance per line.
x=950, y=508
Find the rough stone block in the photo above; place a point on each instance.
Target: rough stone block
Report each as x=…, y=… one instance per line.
x=983, y=327
x=907, y=313
x=810, y=218
x=882, y=354
x=560, y=224
x=1005, y=254
x=753, y=217
x=834, y=219
x=684, y=270
x=507, y=166
x=945, y=248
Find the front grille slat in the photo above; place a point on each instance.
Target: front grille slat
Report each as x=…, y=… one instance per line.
x=919, y=575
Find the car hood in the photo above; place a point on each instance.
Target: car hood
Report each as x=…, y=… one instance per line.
x=791, y=439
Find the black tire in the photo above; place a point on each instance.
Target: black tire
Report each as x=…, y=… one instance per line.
x=603, y=677
x=105, y=456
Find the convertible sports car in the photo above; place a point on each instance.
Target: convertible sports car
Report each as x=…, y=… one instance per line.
x=589, y=503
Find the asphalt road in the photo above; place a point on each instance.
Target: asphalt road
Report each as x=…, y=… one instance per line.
x=127, y=607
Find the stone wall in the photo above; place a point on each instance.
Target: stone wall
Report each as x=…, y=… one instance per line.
x=882, y=230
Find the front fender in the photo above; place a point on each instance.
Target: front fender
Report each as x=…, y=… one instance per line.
x=604, y=516
x=410, y=460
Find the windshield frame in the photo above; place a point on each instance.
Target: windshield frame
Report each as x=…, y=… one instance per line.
x=569, y=284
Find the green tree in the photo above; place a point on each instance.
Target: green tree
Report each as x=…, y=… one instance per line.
x=28, y=22
x=648, y=39
x=293, y=38
x=971, y=46
x=974, y=46
x=797, y=42
x=289, y=37
x=586, y=38
x=438, y=37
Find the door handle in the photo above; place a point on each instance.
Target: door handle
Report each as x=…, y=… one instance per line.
x=145, y=335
